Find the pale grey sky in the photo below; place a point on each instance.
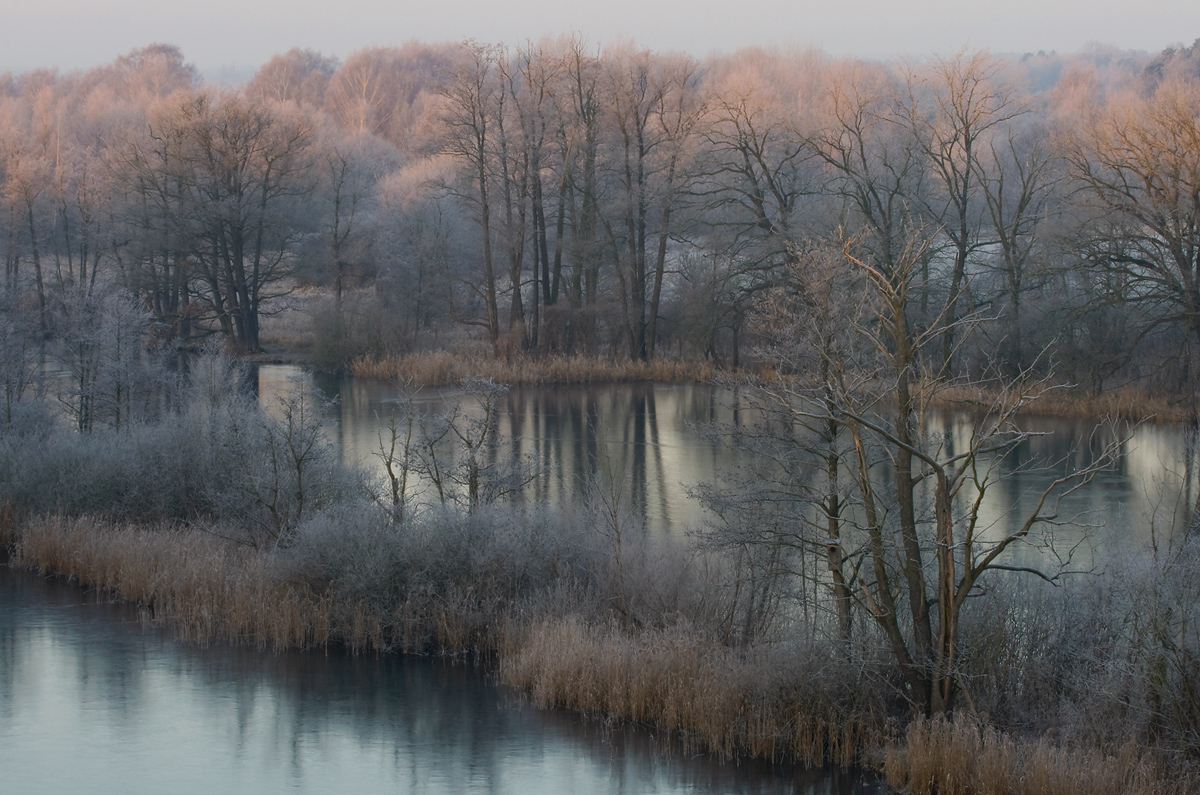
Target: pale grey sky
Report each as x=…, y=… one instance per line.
x=74, y=34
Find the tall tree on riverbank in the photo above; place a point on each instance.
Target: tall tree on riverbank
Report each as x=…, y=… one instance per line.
x=472, y=94
x=236, y=175
x=1140, y=164
x=951, y=109
x=654, y=107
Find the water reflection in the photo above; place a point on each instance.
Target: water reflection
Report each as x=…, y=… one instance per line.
x=90, y=702
x=1148, y=489
x=646, y=439
x=640, y=437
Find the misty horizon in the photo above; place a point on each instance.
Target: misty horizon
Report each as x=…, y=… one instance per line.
x=232, y=75
x=228, y=42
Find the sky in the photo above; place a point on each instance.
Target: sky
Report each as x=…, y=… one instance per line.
x=75, y=34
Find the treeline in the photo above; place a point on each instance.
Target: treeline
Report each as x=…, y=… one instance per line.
x=556, y=197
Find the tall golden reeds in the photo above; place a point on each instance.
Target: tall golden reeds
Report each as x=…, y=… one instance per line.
x=731, y=701
x=204, y=587
x=960, y=755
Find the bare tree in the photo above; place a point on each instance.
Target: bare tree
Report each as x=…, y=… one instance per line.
x=245, y=167
x=950, y=113
x=1140, y=163
x=287, y=468
x=472, y=95
x=399, y=438
x=1018, y=177
x=654, y=109
x=109, y=377
x=762, y=179
x=18, y=354
x=28, y=170
x=349, y=170
x=298, y=75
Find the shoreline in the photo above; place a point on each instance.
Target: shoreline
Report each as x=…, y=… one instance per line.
x=441, y=368
x=1130, y=403
x=205, y=589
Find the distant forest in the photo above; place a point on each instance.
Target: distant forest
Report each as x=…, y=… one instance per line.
x=562, y=198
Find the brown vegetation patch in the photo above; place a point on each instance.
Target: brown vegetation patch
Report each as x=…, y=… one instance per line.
x=733, y=701
x=202, y=586
x=438, y=368
x=206, y=588
x=1132, y=403
x=962, y=756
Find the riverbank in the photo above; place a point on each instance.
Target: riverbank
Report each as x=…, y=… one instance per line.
x=552, y=642
x=776, y=701
x=440, y=368
x=1129, y=403
x=233, y=522
x=1126, y=403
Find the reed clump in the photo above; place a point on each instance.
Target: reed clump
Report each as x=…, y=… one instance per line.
x=759, y=701
x=447, y=584
x=207, y=588
x=440, y=368
x=204, y=587
x=963, y=755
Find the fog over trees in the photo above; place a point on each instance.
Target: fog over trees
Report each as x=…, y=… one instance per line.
x=558, y=197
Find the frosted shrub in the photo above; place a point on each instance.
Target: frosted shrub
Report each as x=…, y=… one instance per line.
x=493, y=554
x=353, y=547
x=218, y=456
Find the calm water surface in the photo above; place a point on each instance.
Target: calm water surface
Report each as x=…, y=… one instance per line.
x=90, y=702
x=649, y=439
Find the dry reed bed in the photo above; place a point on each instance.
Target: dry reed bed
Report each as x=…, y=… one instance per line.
x=710, y=696
x=205, y=588
x=960, y=756
x=439, y=368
